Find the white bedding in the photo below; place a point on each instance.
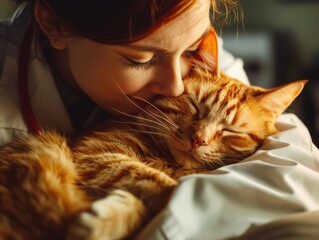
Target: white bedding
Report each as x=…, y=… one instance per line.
x=280, y=179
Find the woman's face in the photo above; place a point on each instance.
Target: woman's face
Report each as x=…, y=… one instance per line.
x=154, y=65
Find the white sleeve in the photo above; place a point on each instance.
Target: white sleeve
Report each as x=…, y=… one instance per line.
x=278, y=180
x=230, y=65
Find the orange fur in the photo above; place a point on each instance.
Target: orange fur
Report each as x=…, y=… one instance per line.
x=109, y=182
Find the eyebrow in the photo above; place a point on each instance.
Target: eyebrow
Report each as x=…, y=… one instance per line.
x=157, y=49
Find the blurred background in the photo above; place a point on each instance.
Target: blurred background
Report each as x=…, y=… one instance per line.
x=279, y=43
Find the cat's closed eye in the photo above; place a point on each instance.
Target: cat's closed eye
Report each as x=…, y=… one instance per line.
x=230, y=130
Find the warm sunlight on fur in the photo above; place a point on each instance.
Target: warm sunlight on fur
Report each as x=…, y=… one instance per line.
x=112, y=180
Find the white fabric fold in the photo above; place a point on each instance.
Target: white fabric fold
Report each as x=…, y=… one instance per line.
x=280, y=179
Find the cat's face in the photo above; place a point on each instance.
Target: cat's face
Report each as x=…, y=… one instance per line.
x=218, y=120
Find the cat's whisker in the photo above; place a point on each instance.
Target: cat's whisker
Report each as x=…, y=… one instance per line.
x=136, y=105
x=138, y=117
x=164, y=117
x=138, y=124
x=148, y=132
x=217, y=163
x=220, y=163
x=163, y=133
x=213, y=162
x=210, y=165
x=172, y=124
x=148, y=113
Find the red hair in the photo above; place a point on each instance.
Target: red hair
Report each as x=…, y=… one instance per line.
x=119, y=21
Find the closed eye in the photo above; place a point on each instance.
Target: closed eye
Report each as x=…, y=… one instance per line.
x=230, y=130
x=140, y=65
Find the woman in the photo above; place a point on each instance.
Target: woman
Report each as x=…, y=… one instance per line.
x=88, y=53
x=84, y=52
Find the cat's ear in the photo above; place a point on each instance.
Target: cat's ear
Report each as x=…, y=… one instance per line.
x=278, y=99
x=208, y=51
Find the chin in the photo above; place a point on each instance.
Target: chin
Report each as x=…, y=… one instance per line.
x=186, y=159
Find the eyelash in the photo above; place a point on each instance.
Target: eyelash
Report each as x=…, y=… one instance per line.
x=139, y=65
x=152, y=61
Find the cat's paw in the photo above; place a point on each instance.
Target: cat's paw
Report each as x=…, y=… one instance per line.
x=114, y=217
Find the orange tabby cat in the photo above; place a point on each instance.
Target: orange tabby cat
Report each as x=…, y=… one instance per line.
x=106, y=184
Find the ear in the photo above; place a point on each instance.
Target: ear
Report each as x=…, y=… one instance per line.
x=208, y=53
x=277, y=100
x=53, y=27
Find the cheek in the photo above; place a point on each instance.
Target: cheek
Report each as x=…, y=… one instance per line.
x=105, y=78
x=85, y=65
x=89, y=78
x=128, y=80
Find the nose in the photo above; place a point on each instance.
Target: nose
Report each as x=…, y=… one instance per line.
x=169, y=82
x=199, y=138
x=200, y=135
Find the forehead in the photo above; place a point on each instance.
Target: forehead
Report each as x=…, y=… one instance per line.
x=184, y=30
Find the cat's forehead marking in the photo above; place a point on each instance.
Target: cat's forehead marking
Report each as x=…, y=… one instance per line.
x=216, y=98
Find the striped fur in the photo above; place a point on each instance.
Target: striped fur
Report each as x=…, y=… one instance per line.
x=107, y=183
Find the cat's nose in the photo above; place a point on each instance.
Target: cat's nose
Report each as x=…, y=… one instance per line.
x=199, y=138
